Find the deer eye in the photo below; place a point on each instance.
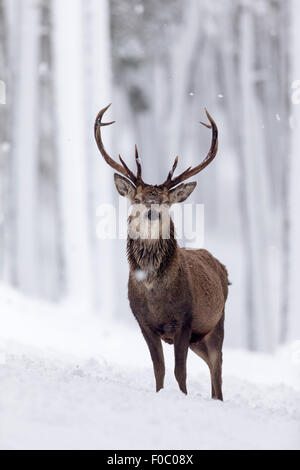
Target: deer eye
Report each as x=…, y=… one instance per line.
x=136, y=201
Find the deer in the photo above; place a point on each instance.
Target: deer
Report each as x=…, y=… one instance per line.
x=180, y=296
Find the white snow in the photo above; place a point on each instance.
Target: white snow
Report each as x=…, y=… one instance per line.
x=71, y=381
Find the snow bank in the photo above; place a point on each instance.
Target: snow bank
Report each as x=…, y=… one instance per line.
x=69, y=380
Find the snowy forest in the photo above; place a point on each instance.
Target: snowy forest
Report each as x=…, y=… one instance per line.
x=160, y=63
x=59, y=74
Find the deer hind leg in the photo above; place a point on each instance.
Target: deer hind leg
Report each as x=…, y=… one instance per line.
x=210, y=350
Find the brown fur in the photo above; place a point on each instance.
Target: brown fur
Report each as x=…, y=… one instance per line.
x=181, y=301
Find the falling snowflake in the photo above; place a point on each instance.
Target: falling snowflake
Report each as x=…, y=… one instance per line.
x=43, y=69
x=139, y=9
x=5, y=147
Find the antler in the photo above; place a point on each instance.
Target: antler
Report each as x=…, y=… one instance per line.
x=170, y=183
x=123, y=168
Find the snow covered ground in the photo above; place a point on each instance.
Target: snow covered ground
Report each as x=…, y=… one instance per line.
x=75, y=382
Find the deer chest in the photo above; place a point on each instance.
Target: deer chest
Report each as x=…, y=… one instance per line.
x=161, y=309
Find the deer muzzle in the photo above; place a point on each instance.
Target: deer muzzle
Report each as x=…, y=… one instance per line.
x=153, y=214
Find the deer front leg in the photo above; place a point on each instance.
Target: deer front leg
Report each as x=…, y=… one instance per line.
x=181, y=345
x=157, y=356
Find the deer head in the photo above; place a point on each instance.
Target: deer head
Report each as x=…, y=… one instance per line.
x=151, y=202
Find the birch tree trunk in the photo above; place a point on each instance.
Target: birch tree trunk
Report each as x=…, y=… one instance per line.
x=182, y=57
x=4, y=135
x=99, y=177
x=285, y=63
x=11, y=42
x=70, y=115
x=25, y=133
x=49, y=255
x=254, y=189
x=291, y=324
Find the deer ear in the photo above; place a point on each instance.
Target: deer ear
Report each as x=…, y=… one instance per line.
x=124, y=187
x=181, y=193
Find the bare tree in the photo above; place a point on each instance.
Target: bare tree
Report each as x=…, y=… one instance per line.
x=9, y=57
x=25, y=137
x=72, y=161
x=4, y=135
x=285, y=143
x=255, y=189
x=97, y=86
x=291, y=323
x=50, y=259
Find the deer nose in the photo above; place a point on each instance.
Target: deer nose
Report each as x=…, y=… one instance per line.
x=153, y=214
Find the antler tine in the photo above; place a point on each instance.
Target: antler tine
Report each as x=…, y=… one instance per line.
x=123, y=169
x=138, y=164
x=171, y=172
x=130, y=174
x=170, y=183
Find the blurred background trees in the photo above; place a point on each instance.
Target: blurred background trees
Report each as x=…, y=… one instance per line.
x=160, y=63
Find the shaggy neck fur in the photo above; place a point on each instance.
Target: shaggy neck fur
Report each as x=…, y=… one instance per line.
x=152, y=256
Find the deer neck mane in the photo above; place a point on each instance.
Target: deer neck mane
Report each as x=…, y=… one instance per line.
x=152, y=257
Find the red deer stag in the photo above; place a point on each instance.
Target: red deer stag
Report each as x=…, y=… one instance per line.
x=181, y=294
